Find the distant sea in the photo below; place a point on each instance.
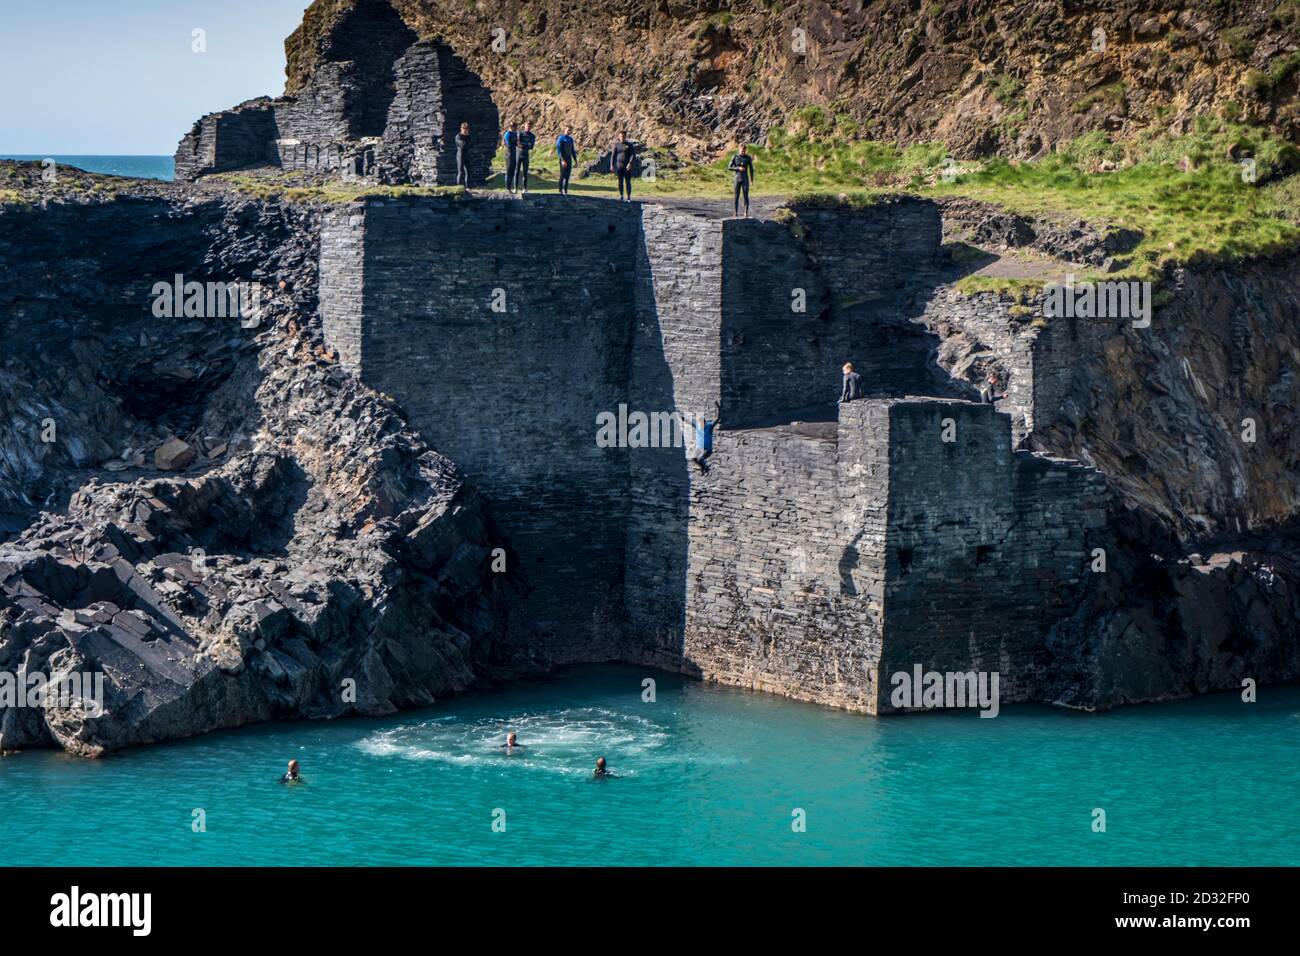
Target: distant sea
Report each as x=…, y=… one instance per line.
x=141, y=167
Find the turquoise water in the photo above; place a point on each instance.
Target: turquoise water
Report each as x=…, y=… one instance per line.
x=707, y=775
x=141, y=167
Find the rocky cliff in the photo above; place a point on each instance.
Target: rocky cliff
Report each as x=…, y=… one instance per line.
x=1014, y=77
x=207, y=510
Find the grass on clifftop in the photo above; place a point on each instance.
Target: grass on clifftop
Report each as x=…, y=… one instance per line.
x=1185, y=194
x=1210, y=214
x=269, y=185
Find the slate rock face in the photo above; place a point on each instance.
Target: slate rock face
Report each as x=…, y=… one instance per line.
x=301, y=552
x=1006, y=77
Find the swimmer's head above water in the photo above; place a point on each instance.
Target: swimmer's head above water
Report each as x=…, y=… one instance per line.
x=512, y=739
x=600, y=767
x=292, y=772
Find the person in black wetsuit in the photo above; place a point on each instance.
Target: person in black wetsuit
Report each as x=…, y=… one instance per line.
x=462, y=156
x=600, y=773
x=742, y=170
x=852, y=390
x=620, y=161
x=568, y=153
x=512, y=743
x=510, y=137
x=524, y=146
x=291, y=775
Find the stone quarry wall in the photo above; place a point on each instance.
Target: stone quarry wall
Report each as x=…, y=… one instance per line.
x=676, y=366
x=510, y=395
x=780, y=568
x=878, y=268
x=985, y=547
x=779, y=590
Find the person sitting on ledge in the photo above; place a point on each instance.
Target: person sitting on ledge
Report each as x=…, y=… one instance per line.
x=291, y=775
x=990, y=390
x=852, y=390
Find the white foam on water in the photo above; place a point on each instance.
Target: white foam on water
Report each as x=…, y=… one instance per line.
x=563, y=741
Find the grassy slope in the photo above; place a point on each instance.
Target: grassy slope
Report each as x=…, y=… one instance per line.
x=1185, y=194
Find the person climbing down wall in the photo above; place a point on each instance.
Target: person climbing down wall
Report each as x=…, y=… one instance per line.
x=852, y=389
x=704, y=438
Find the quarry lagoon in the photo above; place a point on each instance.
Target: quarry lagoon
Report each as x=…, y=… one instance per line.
x=705, y=775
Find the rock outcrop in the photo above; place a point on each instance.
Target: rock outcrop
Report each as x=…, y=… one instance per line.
x=300, y=552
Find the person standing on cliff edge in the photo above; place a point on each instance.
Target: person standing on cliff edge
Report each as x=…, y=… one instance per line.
x=524, y=143
x=742, y=169
x=509, y=138
x=620, y=161
x=568, y=153
x=852, y=389
x=462, y=156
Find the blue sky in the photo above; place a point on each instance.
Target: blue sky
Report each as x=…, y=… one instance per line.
x=119, y=76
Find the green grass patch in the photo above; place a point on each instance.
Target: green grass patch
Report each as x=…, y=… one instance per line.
x=1280, y=69
x=1111, y=96
x=273, y=187
x=1206, y=214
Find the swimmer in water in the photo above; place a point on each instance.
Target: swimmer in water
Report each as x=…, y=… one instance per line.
x=512, y=742
x=600, y=772
x=291, y=775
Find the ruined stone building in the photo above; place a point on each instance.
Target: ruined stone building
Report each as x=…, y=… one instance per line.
x=383, y=105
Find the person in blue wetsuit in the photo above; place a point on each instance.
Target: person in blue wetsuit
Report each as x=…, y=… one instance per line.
x=567, y=150
x=509, y=138
x=524, y=146
x=704, y=439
